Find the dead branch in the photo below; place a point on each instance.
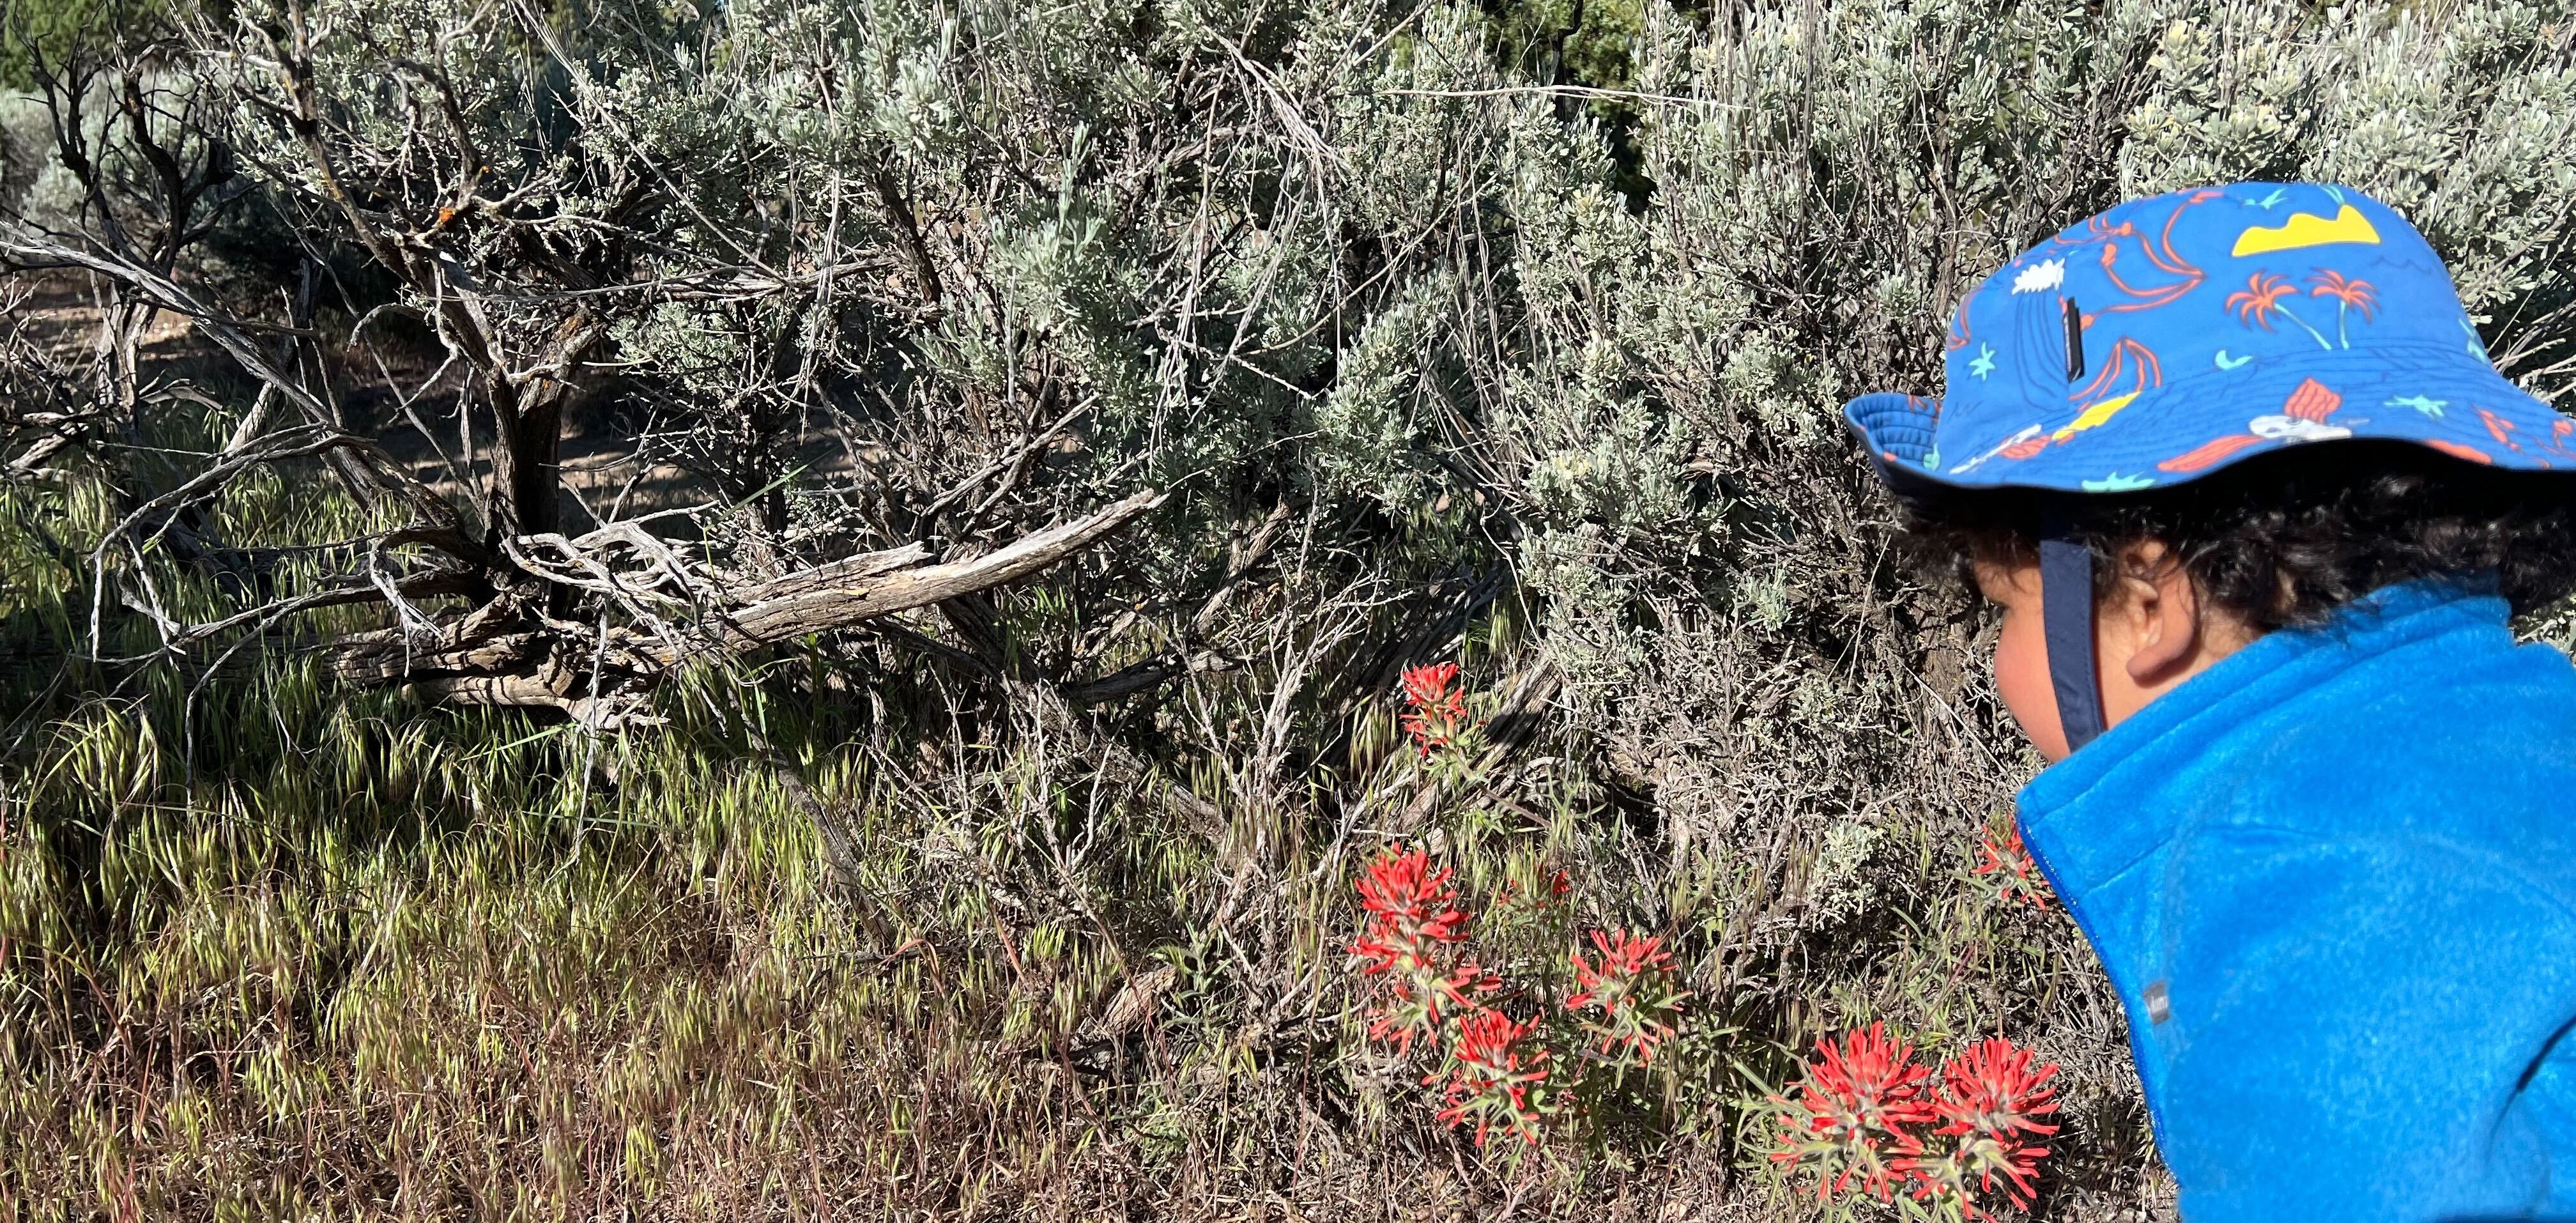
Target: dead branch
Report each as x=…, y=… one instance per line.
x=816, y=607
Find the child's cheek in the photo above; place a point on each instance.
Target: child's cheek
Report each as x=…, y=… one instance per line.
x=2021, y=677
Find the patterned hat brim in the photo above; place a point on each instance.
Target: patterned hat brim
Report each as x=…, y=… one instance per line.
x=2448, y=401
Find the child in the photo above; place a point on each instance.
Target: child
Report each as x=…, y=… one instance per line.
x=2257, y=507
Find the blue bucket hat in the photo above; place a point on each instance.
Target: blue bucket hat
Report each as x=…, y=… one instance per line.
x=2173, y=336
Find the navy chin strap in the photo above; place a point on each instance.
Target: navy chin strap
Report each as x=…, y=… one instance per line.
x=2066, y=614
x=2066, y=594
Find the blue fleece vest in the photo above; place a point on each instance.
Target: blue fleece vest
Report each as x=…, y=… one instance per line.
x=2334, y=880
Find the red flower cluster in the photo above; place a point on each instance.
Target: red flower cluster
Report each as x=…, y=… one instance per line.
x=1501, y=1073
x=1990, y=1104
x=1495, y=1071
x=1630, y=993
x=1413, y=923
x=1850, y=1118
x=1435, y=711
x=1409, y=904
x=2008, y=872
x=1868, y=1117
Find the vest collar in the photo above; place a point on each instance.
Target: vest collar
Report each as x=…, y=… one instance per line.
x=2098, y=811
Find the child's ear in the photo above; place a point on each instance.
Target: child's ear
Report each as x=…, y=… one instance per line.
x=2162, y=608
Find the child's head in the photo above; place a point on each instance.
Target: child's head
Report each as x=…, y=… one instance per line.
x=2209, y=414
x=2185, y=576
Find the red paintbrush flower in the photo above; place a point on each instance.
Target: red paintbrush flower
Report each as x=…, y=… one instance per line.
x=1435, y=713
x=1494, y=1076
x=2014, y=876
x=1851, y=1113
x=1630, y=990
x=1989, y=1104
x=1409, y=901
x=1412, y=923
x=1428, y=685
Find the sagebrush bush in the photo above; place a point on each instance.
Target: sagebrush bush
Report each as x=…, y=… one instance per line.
x=1511, y=339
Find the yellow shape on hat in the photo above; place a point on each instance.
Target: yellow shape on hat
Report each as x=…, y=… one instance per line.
x=2307, y=229
x=2093, y=415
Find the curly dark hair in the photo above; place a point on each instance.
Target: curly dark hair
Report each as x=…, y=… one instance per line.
x=2286, y=538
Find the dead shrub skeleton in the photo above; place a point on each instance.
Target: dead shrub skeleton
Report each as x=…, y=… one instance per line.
x=527, y=349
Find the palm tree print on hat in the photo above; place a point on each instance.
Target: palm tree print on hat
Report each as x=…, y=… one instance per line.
x=2260, y=299
x=2350, y=295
